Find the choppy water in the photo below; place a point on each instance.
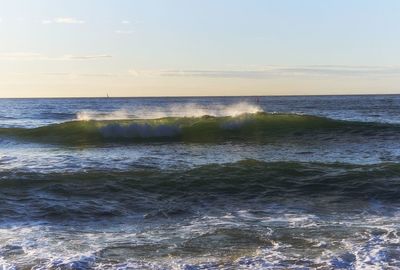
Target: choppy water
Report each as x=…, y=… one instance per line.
x=200, y=183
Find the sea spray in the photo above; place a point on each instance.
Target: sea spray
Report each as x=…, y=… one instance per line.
x=171, y=110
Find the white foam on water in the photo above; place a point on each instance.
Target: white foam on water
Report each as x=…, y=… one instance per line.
x=6, y=266
x=172, y=110
x=374, y=245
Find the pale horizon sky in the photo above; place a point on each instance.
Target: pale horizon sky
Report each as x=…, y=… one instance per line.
x=75, y=48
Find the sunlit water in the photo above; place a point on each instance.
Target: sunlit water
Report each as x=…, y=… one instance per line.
x=212, y=183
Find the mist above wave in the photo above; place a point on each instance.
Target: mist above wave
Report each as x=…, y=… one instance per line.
x=173, y=110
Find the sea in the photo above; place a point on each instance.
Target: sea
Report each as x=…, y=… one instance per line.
x=293, y=182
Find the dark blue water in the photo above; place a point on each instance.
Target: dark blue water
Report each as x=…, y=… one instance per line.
x=200, y=183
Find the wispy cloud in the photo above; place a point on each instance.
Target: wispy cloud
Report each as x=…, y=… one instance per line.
x=87, y=57
x=31, y=56
x=124, y=32
x=63, y=20
x=68, y=20
x=277, y=71
x=145, y=73
x=47, y=21
x=74, y=74
x=128, y=27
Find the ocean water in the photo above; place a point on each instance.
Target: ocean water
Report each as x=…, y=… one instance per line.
x=200, y=183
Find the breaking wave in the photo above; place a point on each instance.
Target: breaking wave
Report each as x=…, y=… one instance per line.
x=174, y=110
x=261, y=127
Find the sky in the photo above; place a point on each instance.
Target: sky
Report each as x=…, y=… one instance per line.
x=85, y=48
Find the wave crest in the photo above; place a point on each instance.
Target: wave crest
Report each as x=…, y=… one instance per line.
x=175, y=110
x=257, y=127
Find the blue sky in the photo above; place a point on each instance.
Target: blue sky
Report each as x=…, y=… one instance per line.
x=208, y=47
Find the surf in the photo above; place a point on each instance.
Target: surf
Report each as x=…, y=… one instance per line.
x=259, y=126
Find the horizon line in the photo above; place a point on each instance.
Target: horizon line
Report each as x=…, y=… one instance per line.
x=204, y=96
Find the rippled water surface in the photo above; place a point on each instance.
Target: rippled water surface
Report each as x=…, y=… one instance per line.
x=200, y=183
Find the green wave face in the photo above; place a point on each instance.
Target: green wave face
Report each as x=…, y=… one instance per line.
x=242, y=180
x=253, y=127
